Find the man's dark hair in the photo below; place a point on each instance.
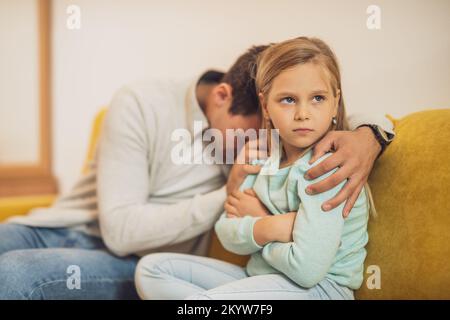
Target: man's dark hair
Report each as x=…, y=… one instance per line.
x=211, y=77
x=241, y=78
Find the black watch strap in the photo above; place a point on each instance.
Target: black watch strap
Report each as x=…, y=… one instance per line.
x=380, y=135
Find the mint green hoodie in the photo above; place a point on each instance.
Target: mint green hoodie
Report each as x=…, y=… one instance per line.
x=325, y=245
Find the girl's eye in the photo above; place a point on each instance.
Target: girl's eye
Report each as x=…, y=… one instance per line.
x=288, y=100
x=318, y=98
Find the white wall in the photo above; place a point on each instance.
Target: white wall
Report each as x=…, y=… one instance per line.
x=19, y=83
x=401, y=68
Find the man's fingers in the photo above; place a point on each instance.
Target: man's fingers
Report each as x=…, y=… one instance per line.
x=333, y=161
x=322, y=147
x=330, y=182
x=230, y=209
x=342, y=195
x=351, y=201
x=250, y=192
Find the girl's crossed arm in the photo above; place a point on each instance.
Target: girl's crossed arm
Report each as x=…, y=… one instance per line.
x=316, y=239
x=247, y=226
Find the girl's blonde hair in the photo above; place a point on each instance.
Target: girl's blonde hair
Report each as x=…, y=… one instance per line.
x=290, y=53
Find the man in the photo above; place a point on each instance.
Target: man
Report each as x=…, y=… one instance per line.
x=136, y=200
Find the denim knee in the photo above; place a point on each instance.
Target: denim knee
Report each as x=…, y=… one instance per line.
x=151, y=266
x=24, y=274
x=16, y=276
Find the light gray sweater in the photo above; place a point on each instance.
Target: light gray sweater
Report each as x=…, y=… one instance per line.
x=142, y=200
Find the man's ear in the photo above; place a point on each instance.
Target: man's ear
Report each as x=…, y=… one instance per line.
x=222, y=94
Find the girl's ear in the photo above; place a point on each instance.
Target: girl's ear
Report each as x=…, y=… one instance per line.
x=336, y=104
x=263, y=104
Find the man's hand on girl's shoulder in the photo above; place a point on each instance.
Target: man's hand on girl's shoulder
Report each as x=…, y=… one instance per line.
x=354, y=153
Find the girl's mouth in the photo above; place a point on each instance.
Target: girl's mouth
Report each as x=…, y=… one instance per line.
x=303, y=130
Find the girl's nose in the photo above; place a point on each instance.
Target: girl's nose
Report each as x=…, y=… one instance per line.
x=301, y=112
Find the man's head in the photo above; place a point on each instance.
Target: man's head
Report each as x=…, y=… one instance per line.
x=231, y=101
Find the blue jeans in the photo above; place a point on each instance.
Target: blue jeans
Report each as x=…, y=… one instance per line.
x=182, y=276
x=61, y=263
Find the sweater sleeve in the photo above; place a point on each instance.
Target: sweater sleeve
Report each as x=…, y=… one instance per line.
x=357, y=119
x=236, y=234
x=316, y=238
x=129, y=222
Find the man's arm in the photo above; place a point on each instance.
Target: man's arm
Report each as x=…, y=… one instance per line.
x=355, y=152
x=129, y=223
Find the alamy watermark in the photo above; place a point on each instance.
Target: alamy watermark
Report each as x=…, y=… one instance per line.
x=73, y=21
x=73, y=281
x=214, y=148
x=373, y=21
x=374, y=280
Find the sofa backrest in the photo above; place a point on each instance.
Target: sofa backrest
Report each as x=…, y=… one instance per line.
x=409, y=241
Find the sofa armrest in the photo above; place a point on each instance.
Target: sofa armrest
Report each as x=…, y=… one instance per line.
x=11, y=206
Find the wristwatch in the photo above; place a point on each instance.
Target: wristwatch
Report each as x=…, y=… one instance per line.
x=383, y=138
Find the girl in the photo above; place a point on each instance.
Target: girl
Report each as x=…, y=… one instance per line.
x=321, y=257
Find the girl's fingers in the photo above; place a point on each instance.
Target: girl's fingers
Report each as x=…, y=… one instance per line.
x=256, y=154
x=230, y=209
x=232, y=200
x=251, y=169
x=237, y=194
x=252, y=150
x=250, y=192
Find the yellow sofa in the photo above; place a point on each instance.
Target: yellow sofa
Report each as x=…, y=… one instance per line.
x=408, y=250
x=20, y=205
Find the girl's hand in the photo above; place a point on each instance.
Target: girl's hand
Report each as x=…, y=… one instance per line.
x=238, y=174
x=285, y=226
x=241, y=167
x=240, y=204
x=274, y=228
